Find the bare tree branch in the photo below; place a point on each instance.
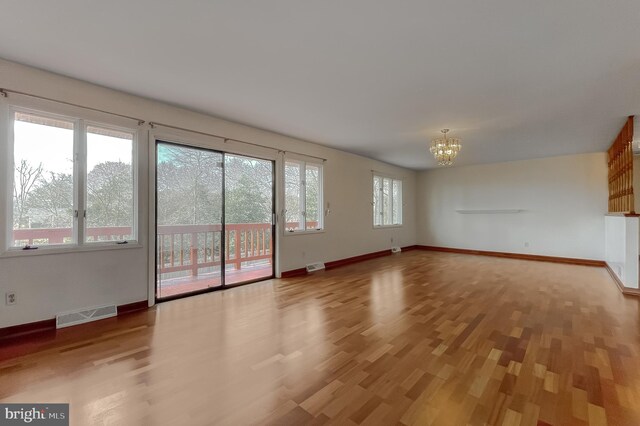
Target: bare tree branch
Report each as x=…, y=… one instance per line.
x=26, y=177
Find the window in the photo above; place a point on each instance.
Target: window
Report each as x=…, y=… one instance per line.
x=303, y=196
x=110, y=185
x=43, y=193
x=73, y=181
x=387, y=201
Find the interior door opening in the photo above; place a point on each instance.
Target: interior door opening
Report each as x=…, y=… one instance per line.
x=214, y=225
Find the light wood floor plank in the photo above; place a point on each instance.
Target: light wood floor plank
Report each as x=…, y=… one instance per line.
x=416, y=338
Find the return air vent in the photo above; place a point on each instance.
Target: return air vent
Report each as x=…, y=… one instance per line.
x=67, y=319
x=312, y=267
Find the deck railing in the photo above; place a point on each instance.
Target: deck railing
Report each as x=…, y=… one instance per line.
x=191, y=247
x=180, y=247
x=35, y=236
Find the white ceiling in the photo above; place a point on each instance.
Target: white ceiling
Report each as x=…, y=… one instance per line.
x=515, y=79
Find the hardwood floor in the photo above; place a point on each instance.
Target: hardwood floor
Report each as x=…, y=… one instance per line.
x=416, y=338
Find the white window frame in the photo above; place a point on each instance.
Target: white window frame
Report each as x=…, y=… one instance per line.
x=80, y=122
x=302, y=197
x=379, y=210
x=134, y=173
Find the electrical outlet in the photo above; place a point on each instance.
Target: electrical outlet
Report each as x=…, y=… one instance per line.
x=10, y=298
x=526, y=243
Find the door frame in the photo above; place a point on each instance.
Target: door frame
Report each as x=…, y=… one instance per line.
x=153, y=145
x=273, y=218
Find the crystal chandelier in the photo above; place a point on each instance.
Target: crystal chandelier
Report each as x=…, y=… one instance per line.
x=445, y=149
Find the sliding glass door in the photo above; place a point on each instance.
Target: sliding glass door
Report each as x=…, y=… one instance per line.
x=189, y=201
x=213, y=220
x=248, y=218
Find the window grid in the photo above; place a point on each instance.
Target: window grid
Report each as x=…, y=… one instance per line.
x=74, y=231
x=387, y=201
x=303, y=201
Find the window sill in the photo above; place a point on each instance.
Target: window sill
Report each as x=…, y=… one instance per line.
x=386, y=226
x=310, y=231
x=68, y=250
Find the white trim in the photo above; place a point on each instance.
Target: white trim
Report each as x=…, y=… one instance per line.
x=135, y=167
x=196, y=140
x=68, y=111
x=151, y=215
x=305, y=232
x=379, y=209
x=387, y=175
x=278, y=174
x=80, y=122
x=302, y=197
x=6, y=191
x=60, y=249
x=79, y=180
x=10, y=162
x=302, y=158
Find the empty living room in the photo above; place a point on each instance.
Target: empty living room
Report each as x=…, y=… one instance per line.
x=320, y=213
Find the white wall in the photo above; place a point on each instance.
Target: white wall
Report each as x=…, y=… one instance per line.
x=636, y=181
x=564, y=201
x=52, y=283
x=622, y=246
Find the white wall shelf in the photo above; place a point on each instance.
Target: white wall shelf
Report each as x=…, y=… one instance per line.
x=497, y=211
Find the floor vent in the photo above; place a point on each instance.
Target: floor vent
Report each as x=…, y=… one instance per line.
x=312, y=267
x=396, y=249
x=86, y=315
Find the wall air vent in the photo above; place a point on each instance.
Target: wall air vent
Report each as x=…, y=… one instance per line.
x=67, y=319
x=312, y=267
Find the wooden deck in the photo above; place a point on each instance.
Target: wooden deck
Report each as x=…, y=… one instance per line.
x=172, y=287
